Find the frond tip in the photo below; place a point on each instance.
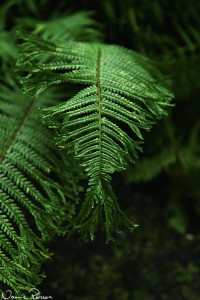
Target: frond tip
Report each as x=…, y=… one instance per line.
x=103, y=123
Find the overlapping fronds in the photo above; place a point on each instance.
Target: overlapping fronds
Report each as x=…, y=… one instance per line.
x=32, y=202
x=101, y=124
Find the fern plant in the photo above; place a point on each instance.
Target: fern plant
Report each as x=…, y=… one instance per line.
x=38, y=184
x=117, y=94
x=28, y=195
x=102, y=123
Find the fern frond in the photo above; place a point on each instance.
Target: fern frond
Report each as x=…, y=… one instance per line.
x=79, y=26
x=32, y=205
x=102, y=123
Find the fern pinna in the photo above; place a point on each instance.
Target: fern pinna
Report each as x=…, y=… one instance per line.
x=31, y=198
x=102, y=123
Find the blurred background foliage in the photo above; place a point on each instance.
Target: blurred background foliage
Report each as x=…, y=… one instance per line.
x=161, y=192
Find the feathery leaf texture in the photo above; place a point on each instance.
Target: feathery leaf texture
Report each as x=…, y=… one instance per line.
x=32, y=203
x=102, y=123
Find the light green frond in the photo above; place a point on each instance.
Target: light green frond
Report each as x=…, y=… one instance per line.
x=103, y=123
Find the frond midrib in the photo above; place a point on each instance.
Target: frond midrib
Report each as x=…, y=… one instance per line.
x=18, y=128
x=98, y=85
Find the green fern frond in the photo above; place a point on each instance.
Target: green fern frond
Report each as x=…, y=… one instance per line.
x=102, y=123
x=32, y=205
x=79, y=26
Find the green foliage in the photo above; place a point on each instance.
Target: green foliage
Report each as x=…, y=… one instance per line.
x=121, y=94
x=78, y=27
x=38, y=183
x=28, y=194
x=97, y=85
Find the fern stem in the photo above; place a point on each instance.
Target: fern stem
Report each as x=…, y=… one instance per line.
x=19, y=126
x=98, y=85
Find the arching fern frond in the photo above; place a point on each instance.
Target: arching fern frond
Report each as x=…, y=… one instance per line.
x=101, y=124
x=32, y=202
